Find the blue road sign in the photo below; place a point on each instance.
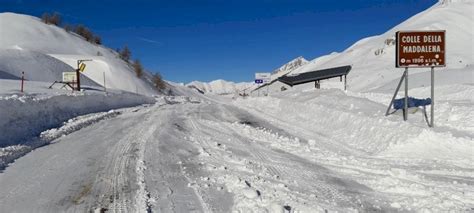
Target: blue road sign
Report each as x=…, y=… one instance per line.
x=258, y=81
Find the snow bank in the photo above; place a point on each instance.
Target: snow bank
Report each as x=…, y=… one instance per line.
x=409, y=165
x=359, y=124
x=25, y=116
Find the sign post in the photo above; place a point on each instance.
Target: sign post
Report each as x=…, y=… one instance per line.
x=405, y=107
x=263, y=78
x=432, y=96
x=419, y=49
x=80, y=68
x=69, y=77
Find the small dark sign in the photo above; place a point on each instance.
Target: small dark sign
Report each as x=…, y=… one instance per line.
x=259, y=81
x=420, y=49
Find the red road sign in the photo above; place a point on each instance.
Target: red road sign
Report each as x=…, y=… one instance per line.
x=420, y=49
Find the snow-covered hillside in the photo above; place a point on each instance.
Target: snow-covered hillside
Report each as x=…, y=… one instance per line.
x=25, y=37
x=220, y=87
x=373, y=58
x=291, y=65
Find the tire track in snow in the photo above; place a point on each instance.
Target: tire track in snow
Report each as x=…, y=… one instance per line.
x=266, y=160
x=125, y=188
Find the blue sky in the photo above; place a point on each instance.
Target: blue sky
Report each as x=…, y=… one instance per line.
x=226, y=39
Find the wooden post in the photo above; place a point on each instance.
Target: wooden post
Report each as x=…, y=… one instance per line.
x=78, y=76
x=22, y=80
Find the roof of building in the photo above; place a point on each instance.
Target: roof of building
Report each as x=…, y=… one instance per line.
x=315, y=75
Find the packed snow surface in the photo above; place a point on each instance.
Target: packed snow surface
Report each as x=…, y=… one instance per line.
x=251, y=155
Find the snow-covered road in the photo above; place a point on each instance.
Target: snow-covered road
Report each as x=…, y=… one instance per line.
x=209, y=156
x=176, y=157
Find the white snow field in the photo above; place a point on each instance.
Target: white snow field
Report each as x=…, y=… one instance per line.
x=299, y=150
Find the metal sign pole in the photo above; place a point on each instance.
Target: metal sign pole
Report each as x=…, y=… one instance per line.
x=432, y=96
x=405, y=109
x=396, y=93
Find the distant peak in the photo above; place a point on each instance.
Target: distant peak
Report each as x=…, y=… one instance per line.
x=292, y=65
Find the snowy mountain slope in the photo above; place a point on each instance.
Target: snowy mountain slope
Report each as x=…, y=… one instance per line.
x=373, y=58
x=291, y=65
x=219, y=87
x=275, y=85
x=37, y=66
x=28, y=33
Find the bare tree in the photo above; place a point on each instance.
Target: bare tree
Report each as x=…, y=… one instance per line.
x=45, y=18
x=158, y=81
x=125, y=54
x=137, y=66
x=84, y=32
x=68, y=27
x=97, y=39
x=55, y=19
